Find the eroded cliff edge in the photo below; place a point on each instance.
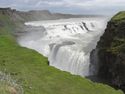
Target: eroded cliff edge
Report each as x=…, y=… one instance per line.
x=111, y=52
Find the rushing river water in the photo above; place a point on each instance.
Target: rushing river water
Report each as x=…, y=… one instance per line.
x=67, y=43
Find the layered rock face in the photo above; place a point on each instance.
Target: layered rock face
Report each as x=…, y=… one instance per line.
x=111, y=52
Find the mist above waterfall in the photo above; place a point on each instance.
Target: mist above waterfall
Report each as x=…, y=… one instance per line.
x=67, y=43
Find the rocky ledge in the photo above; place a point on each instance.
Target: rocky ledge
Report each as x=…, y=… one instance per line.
x=111, y=52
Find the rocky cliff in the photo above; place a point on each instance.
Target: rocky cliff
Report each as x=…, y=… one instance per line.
x=111, y=52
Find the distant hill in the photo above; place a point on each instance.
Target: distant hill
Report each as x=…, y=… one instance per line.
x=34, y=15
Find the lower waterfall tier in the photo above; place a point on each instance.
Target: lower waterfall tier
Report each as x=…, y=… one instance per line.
x=65, y=58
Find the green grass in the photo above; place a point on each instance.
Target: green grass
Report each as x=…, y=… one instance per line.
x=119, y=16
x=32, y=72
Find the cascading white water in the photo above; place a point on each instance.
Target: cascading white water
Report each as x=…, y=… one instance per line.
x=67, y=43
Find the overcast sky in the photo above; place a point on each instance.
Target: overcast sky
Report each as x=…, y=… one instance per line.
x=107, y=7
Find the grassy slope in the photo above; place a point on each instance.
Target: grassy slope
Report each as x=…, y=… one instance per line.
x=31, y=70
x=119, y=16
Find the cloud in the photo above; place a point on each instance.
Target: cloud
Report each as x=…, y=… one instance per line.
x=52, y=4
x=73, y=6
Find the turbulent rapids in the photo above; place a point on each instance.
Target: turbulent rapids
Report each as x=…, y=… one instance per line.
x=67, y=43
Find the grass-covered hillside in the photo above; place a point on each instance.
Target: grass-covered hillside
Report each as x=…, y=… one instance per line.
x=119, y=16
x=31, y=71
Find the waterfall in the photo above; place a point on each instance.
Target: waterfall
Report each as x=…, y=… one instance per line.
x=67, y=43
x=65, y=58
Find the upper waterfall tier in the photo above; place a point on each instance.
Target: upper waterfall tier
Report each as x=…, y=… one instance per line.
x=67, y=43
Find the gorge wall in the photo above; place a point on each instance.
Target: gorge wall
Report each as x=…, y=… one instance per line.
x=111, y=52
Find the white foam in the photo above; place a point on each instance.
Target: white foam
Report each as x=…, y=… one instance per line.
x=67, y=43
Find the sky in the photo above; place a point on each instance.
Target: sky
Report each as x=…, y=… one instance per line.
x=103, y=7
